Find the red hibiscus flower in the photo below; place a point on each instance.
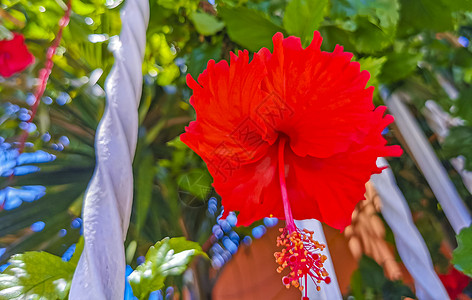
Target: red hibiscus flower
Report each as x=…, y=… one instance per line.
x=14, y=56
x=289, y=134
x=455, y=282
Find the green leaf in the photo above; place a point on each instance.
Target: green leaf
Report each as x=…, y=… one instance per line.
x=399, y=66
x=425, y=14
x=302, y=17
x=460, y=5
x=196, y=182
x=464, y=105
x=201, y=55
x=81, y=8
x=370, y=38
x=167, y=257
x=369, y=282
x=459, y=142
x=36, y=275
x=371, y=273
x=384, y=13
x=79, y=248
x=333, y=35
x=374, y=66
x=387, y=11
x=249, y=28
x=206, y=24
x=144, y=181
x=461, y=257
x=393, y=290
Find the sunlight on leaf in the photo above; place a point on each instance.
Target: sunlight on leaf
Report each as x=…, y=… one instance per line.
x=36, y=274
x=167, y=257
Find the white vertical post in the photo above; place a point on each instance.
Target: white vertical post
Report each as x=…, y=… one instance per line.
x=442, y=187
x=440, y=121
x=328, y=291
x=100, y=273
x=409, y=242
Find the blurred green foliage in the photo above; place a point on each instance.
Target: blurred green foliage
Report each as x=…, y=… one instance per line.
x=369, y=282
x=462, y=259
x=165, y=258
x=406, y=45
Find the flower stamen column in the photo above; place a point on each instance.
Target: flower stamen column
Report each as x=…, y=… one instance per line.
x=107, y=205
x=299, y=253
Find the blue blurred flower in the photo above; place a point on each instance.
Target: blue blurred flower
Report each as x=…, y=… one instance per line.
x=259, y=231
x=46, y=137
x=11, y=163
x=69, y=253
x=231, y=246
x=463, y=41
x=140, y=260
x=128, y=291
x=247, y=240
x=156, y=295
x=38, y=226
x=24, y=116
x=11, y=198
x=63, y=98
x=47, y=100
x=270, y=222
x=3, y=267
x=64, y=141
x=76, y=223
x=232, y=219
x=169, y=293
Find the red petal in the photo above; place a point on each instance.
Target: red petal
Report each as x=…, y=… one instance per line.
x=253, y=189
x=226, y=99
x=328, y=189
x=14, y=56
x=326, y=103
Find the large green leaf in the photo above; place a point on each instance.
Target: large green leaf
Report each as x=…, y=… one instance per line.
x=461, y=257
x=195, y=183
x=144, y=181
x=425, y=14
x=36, y=275
x=249, y=28
x=206, y=24
x=200, y=55
x=398, y=66
x=464, y=106
x=374, y=66
x=302, y=17
x=165, y=258
x=370, y=38
x=460, y=5
x=369, y=282
x=459, y=142
x=383, y=12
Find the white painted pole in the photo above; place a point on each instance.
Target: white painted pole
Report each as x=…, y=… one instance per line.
x=328, y=291
x=434, y=172
x=440, y=121
x=100, y=273
x=409, y=242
